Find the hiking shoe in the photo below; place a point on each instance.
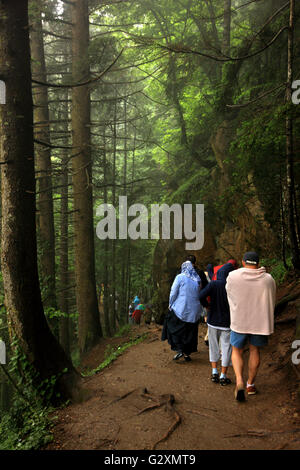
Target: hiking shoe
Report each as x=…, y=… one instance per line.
x=239, y=394
x=177, y=356
x=225, y=381
x=215, y=378
x=251, y=390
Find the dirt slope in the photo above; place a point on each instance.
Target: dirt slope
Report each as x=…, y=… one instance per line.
x=132, y=401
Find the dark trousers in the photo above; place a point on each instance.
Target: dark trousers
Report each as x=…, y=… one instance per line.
x=182, y=336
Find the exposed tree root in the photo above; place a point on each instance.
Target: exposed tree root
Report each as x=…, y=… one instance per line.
x=220, y=418
x=286, y=321
x=149, y=408
x=168, y=401
x=170, y=430
x=164, y=400
x=261, y=433
x=123, y=396
x=280, y=305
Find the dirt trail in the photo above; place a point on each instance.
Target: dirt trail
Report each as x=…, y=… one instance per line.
x=131, y=405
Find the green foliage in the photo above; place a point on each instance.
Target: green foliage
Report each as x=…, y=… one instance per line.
x=24, y=427
x=113, y=353
x=123, y=330
x=27, y=426
x=277, y=269
x=54, y=313
x=34, y=389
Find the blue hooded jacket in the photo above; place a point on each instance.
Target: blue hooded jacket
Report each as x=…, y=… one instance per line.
x=219, y=313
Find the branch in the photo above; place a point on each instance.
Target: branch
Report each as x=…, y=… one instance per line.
x=72, y=85
x=187, y=50
x=48, y=145
x=255, y=99
x=50, y=33
x=120, y=185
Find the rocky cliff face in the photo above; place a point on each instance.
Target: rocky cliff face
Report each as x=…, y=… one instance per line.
x=242, y=228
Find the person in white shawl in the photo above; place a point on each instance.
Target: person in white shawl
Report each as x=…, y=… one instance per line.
x=251, y=295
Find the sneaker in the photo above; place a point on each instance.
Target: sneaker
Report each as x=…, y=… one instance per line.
x=251, y=390
x=215, y=378
x=225, y=381
x=187, y=358
x=239, y=394
x=177, y=356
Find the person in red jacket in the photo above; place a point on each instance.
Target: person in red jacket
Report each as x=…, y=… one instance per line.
x=212, y=270
x=136, y=316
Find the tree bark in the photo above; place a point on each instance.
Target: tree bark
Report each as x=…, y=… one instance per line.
x=113, y=314
x=23, y=302
x=290, y=182
x=106, y=247
x=43, y=162
x=122, y=303
x=227, y=27
x=89, y=328
x=64, y=335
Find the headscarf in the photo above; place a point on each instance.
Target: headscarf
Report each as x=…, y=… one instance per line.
x=188, y=270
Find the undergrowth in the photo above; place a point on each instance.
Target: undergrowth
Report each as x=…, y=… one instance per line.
x=112, y=353
x=27, y=424
x=25, y=427
x=277, y=269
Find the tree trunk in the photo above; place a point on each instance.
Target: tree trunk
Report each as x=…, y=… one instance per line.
x=113, y=261
x=227, y=27
x=65, y=336
x=290, y=182
x=123, y=307
x=106, y=247
x=43, y=162
x=89, y=328
x=64, y=259
x=23, y=302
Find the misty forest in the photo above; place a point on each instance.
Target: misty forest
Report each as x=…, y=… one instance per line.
x=158, y=103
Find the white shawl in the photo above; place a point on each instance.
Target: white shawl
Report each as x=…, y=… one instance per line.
x=251, y=295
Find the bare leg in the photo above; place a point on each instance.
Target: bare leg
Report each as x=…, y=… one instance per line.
x=253, y=363
x=238, y=365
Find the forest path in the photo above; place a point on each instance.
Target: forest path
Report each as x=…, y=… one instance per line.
x=203, y=416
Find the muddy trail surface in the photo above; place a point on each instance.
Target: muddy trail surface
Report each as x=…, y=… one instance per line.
x=145, y=400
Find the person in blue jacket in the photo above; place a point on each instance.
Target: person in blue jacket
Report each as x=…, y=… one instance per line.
x=218, y=322
x=181, y=322
x=136, y=302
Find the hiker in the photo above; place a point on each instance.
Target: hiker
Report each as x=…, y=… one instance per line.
x=136, y=301
x=130, y=312
x=218, y=322
x=181, y=323
x=136, y=316
x=251, y=295
x=212, y=270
